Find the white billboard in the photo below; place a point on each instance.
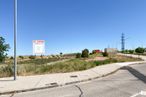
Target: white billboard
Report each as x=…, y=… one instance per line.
x=38, y=47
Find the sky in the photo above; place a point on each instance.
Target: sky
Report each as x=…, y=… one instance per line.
x=72, y=25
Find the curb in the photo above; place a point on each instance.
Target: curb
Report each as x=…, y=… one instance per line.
x=53, y=86
x=69, y=83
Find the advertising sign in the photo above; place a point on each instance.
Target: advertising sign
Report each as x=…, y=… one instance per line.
x=38, y=47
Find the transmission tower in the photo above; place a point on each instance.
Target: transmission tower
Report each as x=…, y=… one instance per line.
x=123, y=42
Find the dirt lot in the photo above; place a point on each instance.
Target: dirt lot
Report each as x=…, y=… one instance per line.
x=97, y=59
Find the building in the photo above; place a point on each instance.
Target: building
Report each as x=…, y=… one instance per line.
x=111, y=50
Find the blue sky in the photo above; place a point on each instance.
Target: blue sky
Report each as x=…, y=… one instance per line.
x=72, y=25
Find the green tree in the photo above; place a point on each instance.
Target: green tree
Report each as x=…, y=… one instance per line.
x=61, y=54
x=3, y=49
x=140, y=50
x=85, y=53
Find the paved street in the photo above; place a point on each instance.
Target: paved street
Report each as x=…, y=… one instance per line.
x=127, y=82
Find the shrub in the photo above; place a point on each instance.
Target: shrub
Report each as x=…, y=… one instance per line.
x=105, y=54
x=53, y=56
x=42, y=56
x=11, y=58
x=6, y=71
x=85, y=53
x=21, y=57
x=93, y=52
x=131, y=51
x=78, y=55
x=32, y=57
x=140, y=50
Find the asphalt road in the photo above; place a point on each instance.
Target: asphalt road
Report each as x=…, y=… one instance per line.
x=127, y=82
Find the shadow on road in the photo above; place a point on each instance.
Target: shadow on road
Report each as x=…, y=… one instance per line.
x=136, y=73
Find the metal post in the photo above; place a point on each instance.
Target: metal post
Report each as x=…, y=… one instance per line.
x=15, y=39
x=122, y=42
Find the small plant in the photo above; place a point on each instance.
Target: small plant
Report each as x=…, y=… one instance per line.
x=105, y=54
x=78, y=55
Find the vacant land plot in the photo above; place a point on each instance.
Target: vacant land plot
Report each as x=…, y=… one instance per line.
x=40, y=66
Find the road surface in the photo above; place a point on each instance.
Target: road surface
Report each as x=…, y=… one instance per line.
x=127, y=82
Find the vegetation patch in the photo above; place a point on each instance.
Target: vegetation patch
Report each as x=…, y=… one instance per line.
x=36, y=67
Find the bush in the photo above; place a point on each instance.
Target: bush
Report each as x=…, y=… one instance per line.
x=105, y=54
x=11, y=58
x=42, y=56
x=21, y=57
x=6, y=71
x=93, y=52
x=32, y=57
x=85, y=53
x=78, y=55
x=131, y=51
x=140, y=50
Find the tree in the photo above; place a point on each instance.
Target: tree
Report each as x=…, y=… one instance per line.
x=140, y=50
x=3, y=49
x=85, y=53
x=61, y=54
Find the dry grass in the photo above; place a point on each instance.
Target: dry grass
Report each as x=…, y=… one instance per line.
x=40, y=67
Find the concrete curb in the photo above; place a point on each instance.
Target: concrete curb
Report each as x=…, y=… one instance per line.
x=53, y=86
x=69, y=83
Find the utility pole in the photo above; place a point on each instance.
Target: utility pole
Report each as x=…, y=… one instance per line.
x=15, y=39
x=122, y=42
